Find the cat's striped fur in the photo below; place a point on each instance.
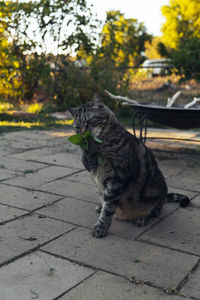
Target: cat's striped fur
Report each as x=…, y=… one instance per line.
x=130, y=183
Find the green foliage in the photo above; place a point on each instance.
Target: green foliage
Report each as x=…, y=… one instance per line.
x=123, y=40
x=181, y=34
x=48, y=20
x=4, y=107
x=9, y=84
x=29, y=26
x=186, y=58
x=182, y=21
x=35, y=108
x=82, y=140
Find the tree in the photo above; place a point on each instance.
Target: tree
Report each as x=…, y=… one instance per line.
x=182, y=21
x=186, y=58
x=40, y=25
x=181, y=34
x=9, y=83
x=155, y=48
x=123, y=40
x=122, y=43
x=36, y=28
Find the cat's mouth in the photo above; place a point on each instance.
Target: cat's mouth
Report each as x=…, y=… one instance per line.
x=80, y=130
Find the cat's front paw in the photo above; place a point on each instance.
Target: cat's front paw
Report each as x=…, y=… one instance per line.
x=99, y=231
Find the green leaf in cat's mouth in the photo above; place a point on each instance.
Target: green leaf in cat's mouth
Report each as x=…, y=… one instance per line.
x=82, y=140
x=79, y=140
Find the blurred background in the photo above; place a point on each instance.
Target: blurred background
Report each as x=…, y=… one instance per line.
x=56, y=53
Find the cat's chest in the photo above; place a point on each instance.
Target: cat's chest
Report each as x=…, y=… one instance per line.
x=98, y=181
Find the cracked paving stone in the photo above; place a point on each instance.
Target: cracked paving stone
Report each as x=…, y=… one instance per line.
x=26, y=199
x=8, y=213
x=186, y=180
x=72, y=211
x=40, y=177
x=19, y=165
x=181, y=231
x=196, y=202
x=8, y=174
x=192, y=287
x=68, y=188
x=62, y=159
x=119, y=256
x=40, y=276
x=103, y=286
x=26, y=233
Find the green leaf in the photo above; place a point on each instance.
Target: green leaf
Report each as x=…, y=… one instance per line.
x=76, y=139
x=99, y=159
x=84, y=145
x=87, y=134
x=96, y=139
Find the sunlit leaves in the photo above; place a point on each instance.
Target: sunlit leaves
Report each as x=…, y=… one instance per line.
x=182, y=20
x=181, y=33
x=29, y=28
x=123, y=39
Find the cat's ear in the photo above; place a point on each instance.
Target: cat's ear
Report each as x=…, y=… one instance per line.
x=96, y=100
x=71, y=110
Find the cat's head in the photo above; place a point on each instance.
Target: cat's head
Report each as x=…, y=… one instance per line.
x=92, y=116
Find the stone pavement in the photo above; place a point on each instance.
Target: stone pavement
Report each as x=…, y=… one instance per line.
x=47, y=207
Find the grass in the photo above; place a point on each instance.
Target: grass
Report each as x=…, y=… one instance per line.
x=11, y=123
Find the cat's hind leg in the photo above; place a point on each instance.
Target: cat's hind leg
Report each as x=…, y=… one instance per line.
x=141, y=221
x=155, y=212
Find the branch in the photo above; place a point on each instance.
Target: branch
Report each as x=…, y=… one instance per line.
x=120, y=98
x=193, y=102
x=171, y=101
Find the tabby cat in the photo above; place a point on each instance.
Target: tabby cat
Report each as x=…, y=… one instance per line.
x=128, y=178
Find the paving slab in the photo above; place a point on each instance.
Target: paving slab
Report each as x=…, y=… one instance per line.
x=7, y=174
x=27, y=143
x=26, y=233
x=163, y=253
x=125, y=257
x=40, y=177
x=19, y=165
x=83, y=177
x=40, y=276
x=130, y=231
x=103, y=286
x=170, y=167
x=196, y=201
x=62, y=159
x=83, y=213
x=73, y=211
x=192, y=286
x=68, y=188
x=25, y=199
x=26, y=135
x=36, y=154
x=187, y=193
x=187, y=180
x=180, y=230
x=8, y=213
x=42, y=152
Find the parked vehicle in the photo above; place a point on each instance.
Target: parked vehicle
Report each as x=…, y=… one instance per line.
x=156, y=67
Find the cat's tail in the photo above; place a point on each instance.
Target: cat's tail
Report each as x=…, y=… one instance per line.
x=181, y=199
